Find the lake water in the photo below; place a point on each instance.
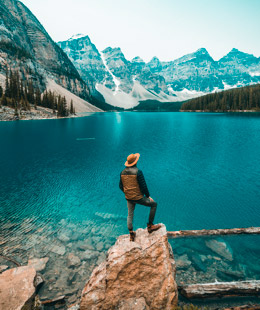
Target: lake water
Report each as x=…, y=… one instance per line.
x=59, y=189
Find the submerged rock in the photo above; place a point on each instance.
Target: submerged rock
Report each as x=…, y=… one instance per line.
x=58, y=249
x=86, y=255
x=86, y=244
x=182, y=262
x=38, y=263
x=221, y=248
x=135, y=273
x=198, y=263
x=18, y=288
x=73, y=260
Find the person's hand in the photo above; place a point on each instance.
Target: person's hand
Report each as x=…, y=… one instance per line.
x=151, y=199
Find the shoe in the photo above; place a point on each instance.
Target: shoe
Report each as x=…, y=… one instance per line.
x=132, y=235
x=152, y=227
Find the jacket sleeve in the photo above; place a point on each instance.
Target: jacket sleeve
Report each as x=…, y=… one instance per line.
x=142, y=183
x=121, y=184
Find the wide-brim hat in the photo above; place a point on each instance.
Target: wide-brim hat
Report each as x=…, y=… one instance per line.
x=132, y=159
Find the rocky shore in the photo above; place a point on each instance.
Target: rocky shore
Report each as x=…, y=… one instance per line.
x=65, y=255
x=133, y=275
x=8, y=114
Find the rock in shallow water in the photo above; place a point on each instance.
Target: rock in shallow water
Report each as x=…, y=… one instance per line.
x=140, y=270
x=58, y=249
x=182, y=262
x=86, y=255
x=38, y=263
x=73, y=260
x=17, y=289
x=221, y=248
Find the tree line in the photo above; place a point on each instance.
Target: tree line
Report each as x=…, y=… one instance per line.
x=239, y=99
x=21, y=94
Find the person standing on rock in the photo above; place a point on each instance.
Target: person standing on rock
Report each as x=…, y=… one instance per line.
x=133, y=184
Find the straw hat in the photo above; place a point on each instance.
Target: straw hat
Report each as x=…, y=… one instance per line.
x=132, y=159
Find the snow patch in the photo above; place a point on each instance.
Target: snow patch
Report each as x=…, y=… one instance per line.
x=227, y=86
x=115, y=80
x=256, y=73
x=186, y=94
x=77, y=36
x=130, y=100
x=119, y=99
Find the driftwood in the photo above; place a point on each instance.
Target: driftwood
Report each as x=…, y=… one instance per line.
x=245, y=307
x=214, y=232
x=221, y=289
x=60, y=299
x=10, y=260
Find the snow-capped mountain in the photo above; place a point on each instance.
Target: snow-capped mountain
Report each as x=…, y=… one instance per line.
x=124, y=83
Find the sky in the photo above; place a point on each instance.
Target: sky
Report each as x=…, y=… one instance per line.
x=167, y=29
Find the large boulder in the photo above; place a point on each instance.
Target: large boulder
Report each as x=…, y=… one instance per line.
x=17, y=288
x=136, y=275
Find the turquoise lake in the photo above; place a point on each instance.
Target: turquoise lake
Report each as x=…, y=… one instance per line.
x=59, y=185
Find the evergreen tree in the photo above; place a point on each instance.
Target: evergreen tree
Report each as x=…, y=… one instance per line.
x=38, y=100
x=243, y=98
x=4, y=101
x=21, y=94
x=7, y=88
x=71, y=107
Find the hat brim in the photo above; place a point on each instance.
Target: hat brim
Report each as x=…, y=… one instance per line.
x=133, y=163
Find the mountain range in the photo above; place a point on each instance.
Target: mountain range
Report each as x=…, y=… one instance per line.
x=125, y=83
x=75, y=68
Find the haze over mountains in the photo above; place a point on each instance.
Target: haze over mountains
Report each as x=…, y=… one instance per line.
x=77, y=68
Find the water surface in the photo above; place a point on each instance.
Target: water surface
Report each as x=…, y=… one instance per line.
x=59, y=187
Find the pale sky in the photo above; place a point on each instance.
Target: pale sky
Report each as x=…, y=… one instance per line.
x=167, y=29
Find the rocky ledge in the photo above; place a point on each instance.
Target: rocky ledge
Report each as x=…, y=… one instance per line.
x=135, y=275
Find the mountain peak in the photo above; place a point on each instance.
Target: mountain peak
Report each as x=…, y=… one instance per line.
x=137, y=59
x=234, y=50
x=235, y=53
x=201, y=51
x=154, y=60
x=112, y=50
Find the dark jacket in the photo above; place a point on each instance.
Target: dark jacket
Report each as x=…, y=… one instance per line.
x=132, y=183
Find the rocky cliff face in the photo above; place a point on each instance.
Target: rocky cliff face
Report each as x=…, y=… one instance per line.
x=88, y=61
x=124, y=83
x=136, y=275
x=239, y=69
x=25, y=45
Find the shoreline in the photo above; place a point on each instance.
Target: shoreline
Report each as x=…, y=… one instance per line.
x=230, y=111
x=7, y=114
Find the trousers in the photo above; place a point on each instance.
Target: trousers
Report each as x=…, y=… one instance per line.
x=144, y=202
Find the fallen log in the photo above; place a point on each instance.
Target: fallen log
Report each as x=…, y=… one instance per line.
x=221, y=289
x=10, y=260
x=245, y=307
x=213, y=232
x=50, y=302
